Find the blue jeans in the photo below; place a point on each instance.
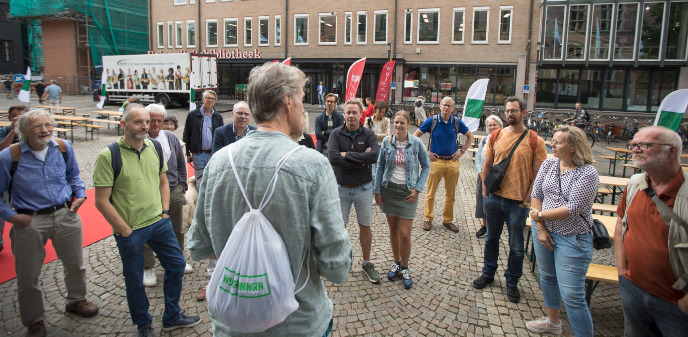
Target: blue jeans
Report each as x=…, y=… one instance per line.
x=160, y=237
x=362, y=198
x=562, y=276
x=321, y=99
x=497, y=211
x=649, y=315
x=199, y=161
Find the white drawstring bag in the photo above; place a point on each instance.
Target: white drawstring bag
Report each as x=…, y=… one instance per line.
x=252, y=288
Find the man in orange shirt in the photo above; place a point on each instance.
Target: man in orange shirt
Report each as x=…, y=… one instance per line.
x=511, y=202
x=654, y=303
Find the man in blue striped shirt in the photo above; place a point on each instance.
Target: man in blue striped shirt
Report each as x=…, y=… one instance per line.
x=45, y=193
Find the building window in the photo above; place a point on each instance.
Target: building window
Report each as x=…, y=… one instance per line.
x=626, y=26
x=301, y=29
x=263, y=31
x=348, y=17
x=191, y=34
x=577, y=32
x=362, y=27
x=248, y=30
x=169, y=34
x=211, y=33
x=278, y=30
x=6, y=53
x=651, y=31
x=481, y=17
x=554, y=29
x=408, y=26
x=429, y=25
x=179, y=2
x=457, y=32
x=505, y=14
x=231, y=32
x=178, y=33
x=161, y=36
x=328, y=28
x=380, y=27
x=678, y=31
x=601, y=31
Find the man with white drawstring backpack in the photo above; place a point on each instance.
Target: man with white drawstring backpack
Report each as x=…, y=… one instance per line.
x=286, y=195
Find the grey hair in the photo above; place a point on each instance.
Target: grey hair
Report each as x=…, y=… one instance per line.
x=157, y=109
x=267, y=86
x=22, y=126
x=670, y=137
x=241, y=102
x=355, y=101
x=447, y=98
x=209, y=92
x=521, y=103
x=53, y=81
x=494, y=118
x=131, y=106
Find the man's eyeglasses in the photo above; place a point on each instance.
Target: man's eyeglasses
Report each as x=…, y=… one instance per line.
x=644, y=146
x=210, y=98
x=447, y=105
x=511, y=111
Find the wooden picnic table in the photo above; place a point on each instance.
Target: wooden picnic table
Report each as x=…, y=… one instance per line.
x=73, y=121
x=107, y=113
x=620, y=154
x=61, y=110
x=614, y=183
x=5, y=123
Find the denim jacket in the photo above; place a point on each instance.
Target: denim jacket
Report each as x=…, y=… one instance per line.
x=417, y=163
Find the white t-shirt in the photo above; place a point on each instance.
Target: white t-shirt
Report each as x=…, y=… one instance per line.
x=399, y=170
x=41, y=154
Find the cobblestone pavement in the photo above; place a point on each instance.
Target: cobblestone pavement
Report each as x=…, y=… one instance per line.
x=443, y=264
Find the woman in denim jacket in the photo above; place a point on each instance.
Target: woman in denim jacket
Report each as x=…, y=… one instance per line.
x=402, y=170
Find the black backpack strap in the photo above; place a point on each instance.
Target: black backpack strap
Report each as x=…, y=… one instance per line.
x=116, y=161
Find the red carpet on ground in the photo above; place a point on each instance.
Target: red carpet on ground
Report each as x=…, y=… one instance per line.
x=95, y=228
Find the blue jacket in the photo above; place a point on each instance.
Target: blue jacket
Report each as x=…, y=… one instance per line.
x=417, y=159
x=224, y=136
x=321, y=125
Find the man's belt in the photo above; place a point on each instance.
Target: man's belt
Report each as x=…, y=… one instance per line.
x=49, y=210
x=206, y=151
x=445, y=158
x=351, y=186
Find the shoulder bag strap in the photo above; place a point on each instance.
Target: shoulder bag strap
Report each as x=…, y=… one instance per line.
x=667, y=213
x=513, y=149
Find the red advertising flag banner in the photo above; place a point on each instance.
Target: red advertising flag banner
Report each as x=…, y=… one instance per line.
x=287, y=61
x=383, y=84
x=353, y=78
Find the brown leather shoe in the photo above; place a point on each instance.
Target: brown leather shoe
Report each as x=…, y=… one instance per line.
x=450, y=226
x=36, y=330
x=200, y=296
x=427, y=225
x=83, y=308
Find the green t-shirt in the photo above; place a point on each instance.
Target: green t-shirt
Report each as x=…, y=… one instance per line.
x=136, y=194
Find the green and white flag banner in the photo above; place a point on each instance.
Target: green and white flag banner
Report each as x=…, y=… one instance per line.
x=103, y=93
x=25, y=93
x=475, y=100
x=192, y=94
x=672, y=108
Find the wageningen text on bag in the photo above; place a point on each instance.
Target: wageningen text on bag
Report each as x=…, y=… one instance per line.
x=246, y=286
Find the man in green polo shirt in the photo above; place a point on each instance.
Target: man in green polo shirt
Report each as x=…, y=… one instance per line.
x=136, y=204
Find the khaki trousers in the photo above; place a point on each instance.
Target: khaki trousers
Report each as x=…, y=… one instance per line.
x=63, y=228
x=449, y=171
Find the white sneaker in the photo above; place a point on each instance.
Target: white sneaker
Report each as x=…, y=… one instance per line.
x=544, y=325
x=188, y=269
x=149, y=278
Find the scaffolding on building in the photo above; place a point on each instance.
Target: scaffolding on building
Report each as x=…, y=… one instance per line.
x=102, y=28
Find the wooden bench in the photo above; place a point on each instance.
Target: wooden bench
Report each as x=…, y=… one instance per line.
x=612, y=164
x=596, y=207
x=107, y=122
x=599, y=273
x=601, y=193
x=62, y=132
x=90, y=128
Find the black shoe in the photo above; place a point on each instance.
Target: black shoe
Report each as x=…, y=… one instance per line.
x=482, y=282
x=481, y=232
x=145, y=331
x=513, y=294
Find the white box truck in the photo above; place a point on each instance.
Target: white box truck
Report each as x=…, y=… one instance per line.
x=159, y=78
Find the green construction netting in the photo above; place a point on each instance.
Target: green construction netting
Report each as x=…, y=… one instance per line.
x=116, y=27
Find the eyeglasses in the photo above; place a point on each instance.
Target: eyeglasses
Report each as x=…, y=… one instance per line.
x=644, y=146
x=511, y=111
x=38, y=127
x=447, y=105
x=210, y=98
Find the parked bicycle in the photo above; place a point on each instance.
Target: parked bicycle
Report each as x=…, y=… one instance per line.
x=683, y=132
x=597, y=130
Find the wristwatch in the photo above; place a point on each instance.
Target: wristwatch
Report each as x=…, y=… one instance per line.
x=462, y=151
x=539, y=216
x=167, y=211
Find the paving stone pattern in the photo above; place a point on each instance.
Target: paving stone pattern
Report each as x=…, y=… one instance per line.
x=443, y=265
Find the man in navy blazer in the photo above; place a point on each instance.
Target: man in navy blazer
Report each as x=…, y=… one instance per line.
x=230, y=133
x=326, y=122
x=198, y=133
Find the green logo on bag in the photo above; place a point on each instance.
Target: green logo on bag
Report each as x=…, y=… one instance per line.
x=248, y=286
